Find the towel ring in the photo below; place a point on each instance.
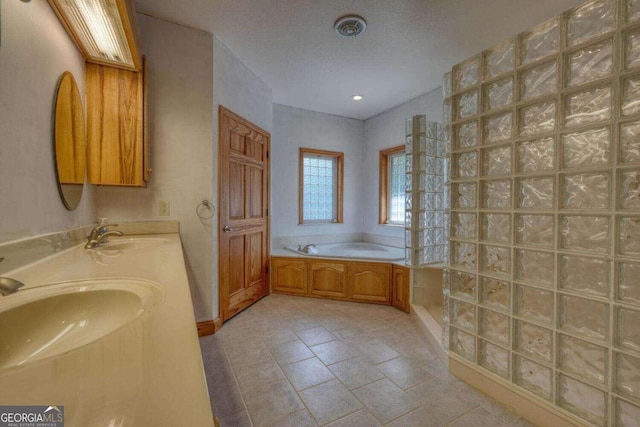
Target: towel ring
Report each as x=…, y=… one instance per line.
x=207, y=204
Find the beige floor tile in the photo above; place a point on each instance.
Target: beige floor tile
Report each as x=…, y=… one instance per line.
x=362, y=418
x=351, y=334
x=271, y=402
x=279, y=336
x=239, y=419
x=417, y=350
x=333, y=352
x=443, y=400
x=297, y=419
x=246, y=362
x=307, y=373
x=478, y=417
x=376, y=352
x=385, y=400
x=258, y=376
x=220, y=381
x=249, y=356
x=421, y=417
x=470, y=394
x=290, y=352
x=521, y=422
x=300, y=323
x=355, y=373
x=334, y=322
x=315, y=336
x=232, y=402
x=404, y=372
x=372, y=324
x=329, y=401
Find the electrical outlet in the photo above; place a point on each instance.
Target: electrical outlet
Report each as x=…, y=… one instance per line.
x=164, y=208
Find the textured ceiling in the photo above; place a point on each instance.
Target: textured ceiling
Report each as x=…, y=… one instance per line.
x=408, y=44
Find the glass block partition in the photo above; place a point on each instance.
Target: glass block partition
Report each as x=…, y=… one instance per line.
x=543, y=275
x=425, y=216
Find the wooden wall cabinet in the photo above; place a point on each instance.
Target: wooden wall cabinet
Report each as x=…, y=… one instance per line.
x=370, y=282
x=400, y=288
x=117, y=141
x=289, y=276
x=328, y=279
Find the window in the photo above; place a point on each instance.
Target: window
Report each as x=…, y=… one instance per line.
x=320, y=186
x=392, y=185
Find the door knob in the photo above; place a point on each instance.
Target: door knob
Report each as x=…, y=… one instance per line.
x=227, y=229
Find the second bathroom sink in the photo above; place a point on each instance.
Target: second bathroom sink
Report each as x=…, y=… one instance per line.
x=49, y=320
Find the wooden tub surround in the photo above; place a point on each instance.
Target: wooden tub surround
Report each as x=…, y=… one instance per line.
x=360, y=281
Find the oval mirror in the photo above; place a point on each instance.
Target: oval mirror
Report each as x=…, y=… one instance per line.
x=70, y=141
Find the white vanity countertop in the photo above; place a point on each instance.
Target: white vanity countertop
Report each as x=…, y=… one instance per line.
x=149, y=372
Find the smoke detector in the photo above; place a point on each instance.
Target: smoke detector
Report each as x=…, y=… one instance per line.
x=350, y=25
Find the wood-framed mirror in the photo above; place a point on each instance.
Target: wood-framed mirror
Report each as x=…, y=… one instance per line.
x=70, y=141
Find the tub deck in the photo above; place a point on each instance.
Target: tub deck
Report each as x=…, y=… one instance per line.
x=355, y=250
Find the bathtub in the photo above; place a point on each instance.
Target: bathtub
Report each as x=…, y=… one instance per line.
x=355, y=250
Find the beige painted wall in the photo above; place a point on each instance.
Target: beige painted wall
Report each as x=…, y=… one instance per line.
x=34, y=51
x=181, y=134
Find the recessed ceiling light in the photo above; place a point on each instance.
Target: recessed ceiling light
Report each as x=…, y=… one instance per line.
x=357, y=97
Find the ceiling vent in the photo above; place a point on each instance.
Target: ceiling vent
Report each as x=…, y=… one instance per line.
x=350, y=25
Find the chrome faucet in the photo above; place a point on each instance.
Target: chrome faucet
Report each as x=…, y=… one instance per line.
x=99, y=234
x=306, y=248
x=9, y=286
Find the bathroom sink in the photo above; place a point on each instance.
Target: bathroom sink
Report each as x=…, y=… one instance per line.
x=49, y=320
x=132, y=243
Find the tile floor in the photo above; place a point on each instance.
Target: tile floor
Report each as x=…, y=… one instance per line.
x=294, y=361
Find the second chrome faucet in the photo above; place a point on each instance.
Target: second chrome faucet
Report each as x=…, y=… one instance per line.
x=99, y=234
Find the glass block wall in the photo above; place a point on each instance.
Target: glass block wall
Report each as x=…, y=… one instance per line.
x=543, y=280
x=425, y=217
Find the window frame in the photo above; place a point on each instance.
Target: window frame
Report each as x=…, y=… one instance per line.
x=338, y=186
x=384, y=196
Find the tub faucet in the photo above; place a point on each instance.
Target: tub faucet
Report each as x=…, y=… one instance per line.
x=9, y=286
x=306, y=248
x=99, y=235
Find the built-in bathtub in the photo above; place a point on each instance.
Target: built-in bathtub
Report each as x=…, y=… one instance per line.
x=355, y=250
x=355, y=271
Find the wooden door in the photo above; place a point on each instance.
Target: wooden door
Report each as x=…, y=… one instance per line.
x=243, y=213
x=370, y=282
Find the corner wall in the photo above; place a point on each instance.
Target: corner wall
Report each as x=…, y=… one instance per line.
x=294, y=128
x=180, y=106
x=384, y=131
x=34, y=51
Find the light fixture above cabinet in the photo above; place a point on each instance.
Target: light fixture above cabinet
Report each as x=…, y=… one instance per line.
x=105, y=31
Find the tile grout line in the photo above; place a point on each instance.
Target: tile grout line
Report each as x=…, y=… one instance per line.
x=235, y=379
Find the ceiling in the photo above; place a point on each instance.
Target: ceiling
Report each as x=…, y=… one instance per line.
x=407, y=47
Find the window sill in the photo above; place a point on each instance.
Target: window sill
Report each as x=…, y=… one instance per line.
x=393, y=225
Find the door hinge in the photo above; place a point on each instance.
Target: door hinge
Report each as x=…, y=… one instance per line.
x=267, y=270
x=267, y=154
x=267, y=212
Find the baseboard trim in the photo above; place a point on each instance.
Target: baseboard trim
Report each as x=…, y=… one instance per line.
x=208, y=327
x=430, y=328
x=527, y=406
